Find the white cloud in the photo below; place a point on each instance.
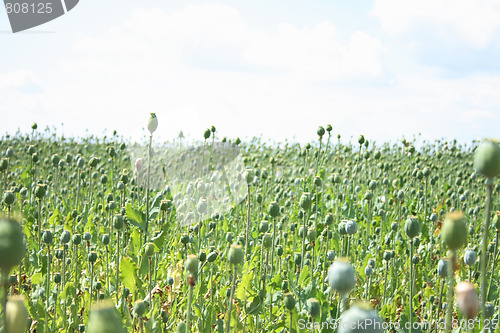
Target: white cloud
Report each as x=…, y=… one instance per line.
x=203, y=66
x=476, y=22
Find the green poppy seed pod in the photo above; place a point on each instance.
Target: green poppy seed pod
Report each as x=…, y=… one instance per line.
x=120, y=186
x=9, y=152
x=235, y=254
x=8, y=197
x=496, y=220
x=329, y=218
x=259, y=198
x=105, y=239
x=40, y=191
x=412, y=227
x=139, y=308
x=65, y=237
x=4, y=163
x=192, y=263
x=489, y=310
x=34, y=158
x=487, y=158
x=11, y=244
x=149, y=249
x=341, y=276
x=249, y=176
x=124, y=177
x=306, y=201
x=57, y=278
x=361, y=139
x=212, y=256
x=273, y=209
x=59, y=254
x=442, y=268
x=77, y=239
x=470, y=257
x=341, y=228
x=312, y=234
x=313, y=307
x=47, y=237
x=263, y=226
x=320, y=131
x=118, y=221
x=87, y=236
x=238, y=141
x=23, y=191
x=267, y=241
x=92, y=257
x=279, y=250
x=16, y=315
x=34, y=126
x=181, y=327
x=202, y=256
x=368, y=195
x=93, y=162
x=454, y=230
x=368, y=270
x=387, y=255
x=351, y=227
x=164, y=205
x=184, y=239
x=289, y=301
x=80, y=162
x=317, y=181
x=212, y=129
x=207, y=133
x=152, y=122
x=360, y=313
x=229, y=237
x=297, y=259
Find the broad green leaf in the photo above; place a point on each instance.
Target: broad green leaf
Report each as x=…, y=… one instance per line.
x=128, y=274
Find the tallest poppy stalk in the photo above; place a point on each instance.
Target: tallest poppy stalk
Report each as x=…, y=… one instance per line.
x=152, y=126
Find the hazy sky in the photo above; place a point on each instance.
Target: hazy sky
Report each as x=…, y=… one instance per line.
x=383, y=68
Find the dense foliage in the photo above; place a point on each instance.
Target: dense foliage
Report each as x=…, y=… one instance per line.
x=309, y=215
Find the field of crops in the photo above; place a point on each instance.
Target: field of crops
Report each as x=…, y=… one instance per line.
x=230, y=236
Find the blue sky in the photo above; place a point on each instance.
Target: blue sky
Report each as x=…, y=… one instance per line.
x=382, y=68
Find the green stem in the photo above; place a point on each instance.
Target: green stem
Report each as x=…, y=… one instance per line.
x=147, y=188
x=493, y=264
x=486, y=228
x=228, y=325
x=248, y=222
x=451, y=283
x=411, y=284
x=190, y=302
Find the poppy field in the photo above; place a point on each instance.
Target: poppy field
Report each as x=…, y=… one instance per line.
x=223, y=235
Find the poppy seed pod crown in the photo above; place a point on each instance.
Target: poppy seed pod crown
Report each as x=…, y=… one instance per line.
x=454, y=230
x=487, y=158
x=341, y=276
x=152, y=122
x=104, y=318
x=360, y=313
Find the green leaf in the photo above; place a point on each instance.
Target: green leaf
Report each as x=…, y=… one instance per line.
x=135, y=217
x=244, y=286
x=55, y=218
x=36, y=278
x=305, y=276
x=128, y=274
